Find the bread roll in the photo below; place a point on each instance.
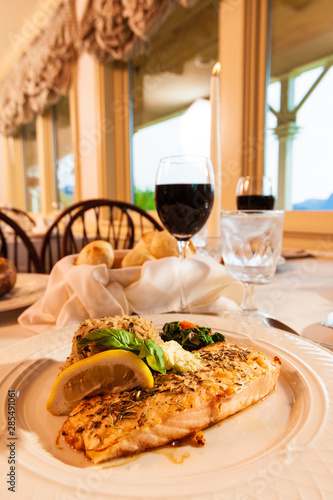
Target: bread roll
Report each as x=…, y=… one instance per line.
x=163, y=244
x=154, y=245
x=191, y=248
x=7, y=276
x=146, y=240
x=96, y=252
x=136, y=257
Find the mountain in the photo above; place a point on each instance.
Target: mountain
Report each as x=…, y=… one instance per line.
x=313, y=204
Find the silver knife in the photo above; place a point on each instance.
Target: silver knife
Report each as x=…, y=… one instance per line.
x=275, y=323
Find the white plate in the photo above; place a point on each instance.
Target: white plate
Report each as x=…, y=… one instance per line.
x=280, y=448
x=28, y=288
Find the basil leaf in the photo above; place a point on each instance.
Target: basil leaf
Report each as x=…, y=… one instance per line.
x=154, y=355
x=112, y=338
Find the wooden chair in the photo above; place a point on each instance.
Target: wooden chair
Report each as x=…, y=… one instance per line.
x=51, y=251
x=16, y=246
x=19, y=216
x=120, y=223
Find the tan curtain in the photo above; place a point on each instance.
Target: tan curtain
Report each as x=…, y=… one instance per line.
x=42, y=74
x=112, y=29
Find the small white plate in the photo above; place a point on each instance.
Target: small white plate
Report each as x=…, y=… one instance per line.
x=318, y=332
x=28, y=288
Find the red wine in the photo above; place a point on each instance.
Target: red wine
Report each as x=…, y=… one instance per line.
x=255, y=202
x=184, y=208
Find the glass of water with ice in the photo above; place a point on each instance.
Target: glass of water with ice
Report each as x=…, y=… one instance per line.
x=251, y=247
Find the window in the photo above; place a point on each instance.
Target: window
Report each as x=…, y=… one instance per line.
x=303, y=32
x=299, y=139
x=170, y=92
x=63, y=156
x=299, y=151
x=312, y=180
x=43, y=162
x=272, y=143
x=31, y=167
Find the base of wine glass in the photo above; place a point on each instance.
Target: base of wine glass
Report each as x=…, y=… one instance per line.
x=248, y=310
x=250, y=316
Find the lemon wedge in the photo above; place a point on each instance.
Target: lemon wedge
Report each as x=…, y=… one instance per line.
x=108, y=371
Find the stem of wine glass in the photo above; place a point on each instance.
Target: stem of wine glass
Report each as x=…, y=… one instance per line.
x=182, y=245
x=249, y=303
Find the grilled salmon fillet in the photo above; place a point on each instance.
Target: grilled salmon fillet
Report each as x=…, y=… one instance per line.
x=230, y=379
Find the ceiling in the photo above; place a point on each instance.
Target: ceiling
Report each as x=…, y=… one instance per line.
x=176, y=69
x=20, y=21
x=302, y=32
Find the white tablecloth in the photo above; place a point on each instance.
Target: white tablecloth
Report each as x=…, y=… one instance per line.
x=301, y=295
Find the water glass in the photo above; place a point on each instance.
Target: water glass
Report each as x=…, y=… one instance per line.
x=251, y=248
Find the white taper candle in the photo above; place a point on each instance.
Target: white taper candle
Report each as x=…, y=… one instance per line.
x=215, y=151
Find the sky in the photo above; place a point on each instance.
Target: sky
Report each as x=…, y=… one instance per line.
x=312, y=157
x=182, y=135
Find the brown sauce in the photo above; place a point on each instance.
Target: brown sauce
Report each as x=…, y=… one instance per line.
x=57, y=441
x=172, y=455
x=170, y=451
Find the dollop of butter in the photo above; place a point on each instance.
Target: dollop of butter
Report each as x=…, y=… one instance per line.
x=178, y=359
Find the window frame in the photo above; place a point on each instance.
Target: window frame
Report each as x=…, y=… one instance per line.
x=244, y=27
x=14, y=171
x=244, y=34
x=55, y=151
x=114, y=120
x=45, y=141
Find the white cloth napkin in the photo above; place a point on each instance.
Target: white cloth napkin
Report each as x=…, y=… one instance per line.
x=76, y=293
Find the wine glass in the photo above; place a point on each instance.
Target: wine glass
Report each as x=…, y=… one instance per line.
x=184, y=194
x=255, y=192
x=251, y=248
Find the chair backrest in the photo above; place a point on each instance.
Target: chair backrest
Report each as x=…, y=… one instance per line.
x=22, y=218
x=51, y=250
x=16, y=246
x=120, y=223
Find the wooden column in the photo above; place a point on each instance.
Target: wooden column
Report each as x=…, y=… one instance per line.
x=243, y=51
x=113, y=117
x=256, y=76
x=45, y=155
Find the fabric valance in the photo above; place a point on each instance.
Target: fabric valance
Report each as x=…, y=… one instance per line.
x=42, y=74
x=109, y=29
x=113, y=29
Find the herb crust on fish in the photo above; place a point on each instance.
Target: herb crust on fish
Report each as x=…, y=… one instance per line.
x=229, y=379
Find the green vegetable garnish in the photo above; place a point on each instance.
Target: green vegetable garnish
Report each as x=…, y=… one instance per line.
x=191, y=338
x=112, y=338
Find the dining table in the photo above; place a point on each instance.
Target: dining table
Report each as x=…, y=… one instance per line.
x=279, y=448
